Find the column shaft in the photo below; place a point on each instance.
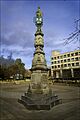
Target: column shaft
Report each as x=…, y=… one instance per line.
x=61, y=73
x=72, y=72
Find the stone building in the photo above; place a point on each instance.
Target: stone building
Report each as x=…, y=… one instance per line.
x=65, y=66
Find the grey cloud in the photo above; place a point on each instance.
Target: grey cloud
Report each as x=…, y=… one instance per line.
x=18, y=38
x=26, y=53
x=17, y=52
x=52, y=40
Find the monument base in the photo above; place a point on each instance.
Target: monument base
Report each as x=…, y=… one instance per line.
x=39, y=101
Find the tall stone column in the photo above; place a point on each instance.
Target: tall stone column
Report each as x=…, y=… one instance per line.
x=57, y=74
x=52, y=73
x=61, y=73
x=39, y=69
x=72, y=72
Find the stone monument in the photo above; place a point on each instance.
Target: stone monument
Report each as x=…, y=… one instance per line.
x=39, y=95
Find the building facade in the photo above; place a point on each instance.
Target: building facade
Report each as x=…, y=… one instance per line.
x=65, y=66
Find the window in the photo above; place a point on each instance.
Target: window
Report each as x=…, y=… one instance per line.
x=64, y=56
x=61, y=65
x=52, y=66
x=61, y=57
x=72, y=54
x=58, y=57
x=54, y=62
x=51, y=62
x=76, y=53
x=58, y=66
x=77, y=64
x=76, y=59
x=64, y=60
x=55, y=66
x=52, y=58
x=68, y=60
x=61, y=61
x=72, y=64
x=72, y=59
x=68, y=55
x=65, y=65
x=69, y=65
x=58, y=61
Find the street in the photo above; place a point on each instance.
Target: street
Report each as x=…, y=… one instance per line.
x=10, y=109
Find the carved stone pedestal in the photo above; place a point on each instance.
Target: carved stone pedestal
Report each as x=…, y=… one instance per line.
x=39, y=101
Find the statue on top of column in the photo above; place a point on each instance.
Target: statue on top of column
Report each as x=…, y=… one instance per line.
x=39, y=13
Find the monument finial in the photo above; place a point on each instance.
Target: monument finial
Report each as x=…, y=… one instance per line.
x=39, y=13
x=38, y=21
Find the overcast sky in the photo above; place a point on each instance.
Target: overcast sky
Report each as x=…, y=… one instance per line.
x=18, y=28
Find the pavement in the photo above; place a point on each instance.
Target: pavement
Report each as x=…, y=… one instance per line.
x=10, y=109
